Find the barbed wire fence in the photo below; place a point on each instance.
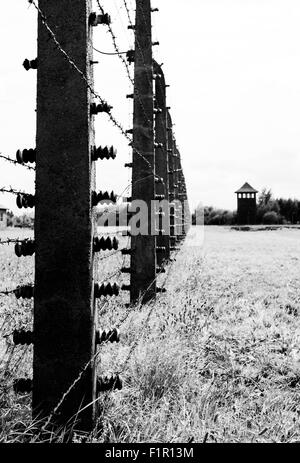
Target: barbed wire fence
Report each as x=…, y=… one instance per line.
x=113, y=255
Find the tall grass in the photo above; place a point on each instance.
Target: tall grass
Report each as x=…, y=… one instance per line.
x=218, y=360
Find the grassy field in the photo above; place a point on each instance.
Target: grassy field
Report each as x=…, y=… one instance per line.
x=215, y=359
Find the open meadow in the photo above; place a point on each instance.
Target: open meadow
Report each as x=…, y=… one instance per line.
x=215, y=359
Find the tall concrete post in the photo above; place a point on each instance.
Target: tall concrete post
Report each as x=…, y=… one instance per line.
x=176, y=188
x=183, y=198
x=64, y=317
x=180, y=196
x=161, y=164
x=143, y=245
x=171, y=164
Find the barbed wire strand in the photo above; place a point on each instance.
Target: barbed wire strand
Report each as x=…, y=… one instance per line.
x=137, y=42
x=142, y=54
x=140, y=49
x=120, y=54
x=17, y=192
x=127, y=67
x=110, y=53
x=7, y=158
x=72, y=63
x=93, y=359
x=11, y=190
x=116, y=47
x=84, y=78
x=12, y=241
x=132, y=349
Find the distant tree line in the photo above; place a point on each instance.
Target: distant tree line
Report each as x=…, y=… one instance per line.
x=277, y=211
x=270, y=211
x=213, y=216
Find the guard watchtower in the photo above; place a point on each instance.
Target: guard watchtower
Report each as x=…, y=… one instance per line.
x=246, y=199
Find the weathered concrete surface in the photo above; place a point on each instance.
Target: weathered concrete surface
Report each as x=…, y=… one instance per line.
x=161, y=158
x=143, y=258
x=171, y=163
x=64, y=307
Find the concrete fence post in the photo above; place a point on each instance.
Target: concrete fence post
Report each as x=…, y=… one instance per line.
x=64, y=314
x=143, y=246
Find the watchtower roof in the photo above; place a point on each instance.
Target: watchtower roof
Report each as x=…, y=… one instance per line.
x=246, y=189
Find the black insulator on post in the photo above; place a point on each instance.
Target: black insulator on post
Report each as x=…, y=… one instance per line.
x=25, y=200
x=125, y=270
x=104, y=153
x=108, y=336
x=96, y=19
x=27, y=155
x=112, y=383
x=30, y=64
x=161, y=290
x=18, y=249
x=19, y=201
x=22, y=385
x=19, y=157
x=24, y=292
x=126, y=252
x=99, y=244
x=103, y=196
x=109, y=245
x=126, y=288
x=25, y=248
x=161, y=249
x=106, y=290
x=94, y=198
x=130, y=55
x=100, y=108
x=30, y=200
x=22, y=337
x=104, y=244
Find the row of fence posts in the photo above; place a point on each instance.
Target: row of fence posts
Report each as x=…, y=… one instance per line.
x=157, y=175
x=65, y=333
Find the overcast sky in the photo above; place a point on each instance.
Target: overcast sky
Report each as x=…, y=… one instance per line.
x=234, y=71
